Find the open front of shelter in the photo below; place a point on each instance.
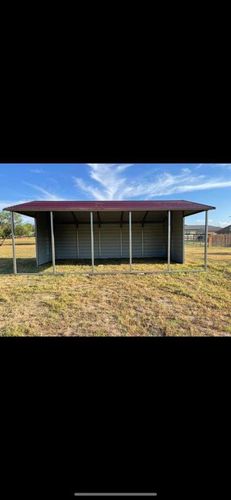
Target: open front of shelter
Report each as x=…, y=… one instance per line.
x=125, y=230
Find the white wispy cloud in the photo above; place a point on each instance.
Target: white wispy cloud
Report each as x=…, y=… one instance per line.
x=93, y=191
x=214, y=165
x=37, y=171
x=108, y=176
x=185, y=170
x=225, y=166
x=46, y=195
x=111, y=183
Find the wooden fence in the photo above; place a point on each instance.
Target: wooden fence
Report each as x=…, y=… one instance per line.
x=219, y=240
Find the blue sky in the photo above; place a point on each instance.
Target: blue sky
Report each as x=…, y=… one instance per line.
x=209, y=184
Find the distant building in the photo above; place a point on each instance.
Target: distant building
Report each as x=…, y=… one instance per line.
x=196, y=233
x=225, y=230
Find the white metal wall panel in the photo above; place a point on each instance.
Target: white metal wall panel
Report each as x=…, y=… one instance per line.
x=85, y=241
x=67, y=247
x=155, y=241
x=43, y=238
x=96, y=240
x=110, y=241
x=136, y=240
x=165, y=229
x=125, y=240
x=65, y=241
x=177, y=237
x=72, y=242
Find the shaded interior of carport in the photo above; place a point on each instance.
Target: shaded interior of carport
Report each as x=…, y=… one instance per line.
x=111, y=236
x=98, y=233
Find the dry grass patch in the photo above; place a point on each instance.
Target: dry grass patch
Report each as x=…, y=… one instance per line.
x=122, y=305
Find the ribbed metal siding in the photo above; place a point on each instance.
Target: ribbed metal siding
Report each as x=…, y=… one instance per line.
x=110, y=241
x=72, y=242
x=155, y=241
x=85, y=241
x=43, y=239
x=65, y=241
x=136, y=240
x=177, y=237
x=67, y=246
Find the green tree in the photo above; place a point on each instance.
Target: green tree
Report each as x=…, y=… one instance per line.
x=19, y=231
x=5, y=218
x=28, y=229
x=5, y=225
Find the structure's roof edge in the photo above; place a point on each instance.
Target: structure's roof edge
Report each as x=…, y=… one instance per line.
x=46, y=206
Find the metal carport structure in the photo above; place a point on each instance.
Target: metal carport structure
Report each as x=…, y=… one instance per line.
x=109, y=229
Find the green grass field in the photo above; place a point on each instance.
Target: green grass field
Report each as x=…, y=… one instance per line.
x=115, y=305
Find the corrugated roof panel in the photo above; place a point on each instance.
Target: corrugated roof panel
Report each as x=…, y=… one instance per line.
x=108, y=206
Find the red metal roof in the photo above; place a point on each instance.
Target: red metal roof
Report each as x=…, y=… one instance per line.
x=108, y=206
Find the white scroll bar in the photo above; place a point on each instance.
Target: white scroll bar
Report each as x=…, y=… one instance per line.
x=151, y=494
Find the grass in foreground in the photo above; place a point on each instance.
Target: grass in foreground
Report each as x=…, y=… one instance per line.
x=122, y=305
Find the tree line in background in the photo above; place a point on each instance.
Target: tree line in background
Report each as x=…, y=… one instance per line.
x=21, y=228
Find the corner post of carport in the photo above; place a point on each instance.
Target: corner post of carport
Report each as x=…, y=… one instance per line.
x=142, y=240
x=142, y=233
x=169, y=239
x=13, y=243
x=99, y=234
x=206, y=241
x=92, y=242
x=121, y=235
x=52, y=241
x=183, y=236
x=130, y=240
x=36, y=240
